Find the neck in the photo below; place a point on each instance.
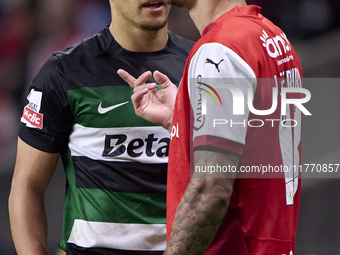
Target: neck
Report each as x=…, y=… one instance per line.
x=139, y=40
x=205, y=12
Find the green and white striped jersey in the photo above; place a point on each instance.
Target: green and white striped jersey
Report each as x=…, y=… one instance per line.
x=115, y=162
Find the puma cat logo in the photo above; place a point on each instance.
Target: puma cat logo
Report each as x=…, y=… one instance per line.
x=209, y=61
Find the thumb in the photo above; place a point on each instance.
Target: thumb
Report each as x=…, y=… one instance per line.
x=162, y=79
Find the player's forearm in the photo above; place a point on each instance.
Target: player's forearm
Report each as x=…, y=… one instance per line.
x=28, y=221
x=203, y=206
x=198, y=217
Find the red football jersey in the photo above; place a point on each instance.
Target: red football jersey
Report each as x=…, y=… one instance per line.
x=248, y=52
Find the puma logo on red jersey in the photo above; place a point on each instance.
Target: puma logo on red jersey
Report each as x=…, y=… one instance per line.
x=209, y=61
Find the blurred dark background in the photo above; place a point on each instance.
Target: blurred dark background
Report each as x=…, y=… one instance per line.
x=30, y=30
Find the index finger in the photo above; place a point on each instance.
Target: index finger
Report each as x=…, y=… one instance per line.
x=126, y=76
x=133, y=82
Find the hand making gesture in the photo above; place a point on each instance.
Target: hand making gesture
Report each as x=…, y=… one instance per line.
x=153, y=104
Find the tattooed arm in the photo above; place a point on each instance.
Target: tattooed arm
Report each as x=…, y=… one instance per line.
x=204, y=204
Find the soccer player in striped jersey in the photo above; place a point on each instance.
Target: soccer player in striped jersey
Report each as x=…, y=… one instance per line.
x=115, y=162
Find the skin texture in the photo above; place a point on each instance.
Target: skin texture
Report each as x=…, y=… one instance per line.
x=203, y=205
x=33, y=171
x=132, y=12
x=136, y=28
x=150, y=103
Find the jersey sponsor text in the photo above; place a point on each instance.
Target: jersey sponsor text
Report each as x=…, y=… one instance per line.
x=116, y=145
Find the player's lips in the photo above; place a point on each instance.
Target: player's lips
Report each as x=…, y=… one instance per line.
x=154, y=5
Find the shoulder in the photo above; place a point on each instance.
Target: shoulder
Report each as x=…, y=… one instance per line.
x=182, y=44
x=238, y=38
x=61, y=66
x=86, y=50
x=215, y=60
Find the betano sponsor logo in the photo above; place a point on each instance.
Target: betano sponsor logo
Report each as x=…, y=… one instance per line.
x=144, y=144
x=118, y=144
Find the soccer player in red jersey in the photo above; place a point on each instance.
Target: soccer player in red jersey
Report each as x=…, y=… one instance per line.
x=241, y=55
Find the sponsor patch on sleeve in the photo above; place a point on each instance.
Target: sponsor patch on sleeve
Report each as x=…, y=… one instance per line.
x=31, y=116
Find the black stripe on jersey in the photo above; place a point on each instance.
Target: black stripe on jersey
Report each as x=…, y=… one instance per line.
x=73, y=249
x=129, y=177
x=95, y=61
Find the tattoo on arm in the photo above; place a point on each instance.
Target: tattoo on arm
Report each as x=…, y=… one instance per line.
x=203, y=206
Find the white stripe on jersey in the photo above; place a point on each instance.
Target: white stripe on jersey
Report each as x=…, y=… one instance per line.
x=138, y=237
x=138, y=144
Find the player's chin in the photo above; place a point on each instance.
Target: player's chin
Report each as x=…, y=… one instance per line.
x=153, y=25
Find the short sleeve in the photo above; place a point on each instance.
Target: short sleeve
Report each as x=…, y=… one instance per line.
x=219, y=82
x=47, y=120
